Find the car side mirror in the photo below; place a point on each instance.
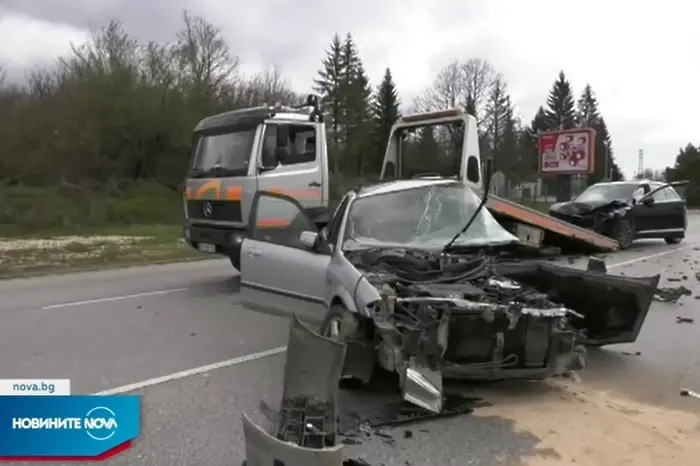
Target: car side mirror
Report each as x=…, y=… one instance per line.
x=648, y=201
x=311, y=240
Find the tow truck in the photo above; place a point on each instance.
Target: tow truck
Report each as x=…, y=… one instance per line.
x=284, y=149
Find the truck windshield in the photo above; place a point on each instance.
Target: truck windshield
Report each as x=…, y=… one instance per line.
x=421, y=217
x=432, y=150
x=229, y=152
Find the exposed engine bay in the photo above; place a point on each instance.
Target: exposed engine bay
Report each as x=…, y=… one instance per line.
x=483, y=317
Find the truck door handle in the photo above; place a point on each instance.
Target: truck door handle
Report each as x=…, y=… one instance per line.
x=254, y=252
x=314, y=184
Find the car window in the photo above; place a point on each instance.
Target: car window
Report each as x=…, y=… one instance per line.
x=301, y=147
x=672, y=195
x=280, y=221
x=660, y=195
x=334, y=225
x=638, y=193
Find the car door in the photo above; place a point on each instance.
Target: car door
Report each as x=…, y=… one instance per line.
x=677, y=212
x=278, y=273
x=641, y=213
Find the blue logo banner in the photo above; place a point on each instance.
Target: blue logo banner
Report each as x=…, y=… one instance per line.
x=67, y=426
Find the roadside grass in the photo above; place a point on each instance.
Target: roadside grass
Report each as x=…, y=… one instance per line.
x=24, y=254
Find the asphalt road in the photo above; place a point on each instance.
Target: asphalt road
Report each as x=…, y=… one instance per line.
x=177, y=335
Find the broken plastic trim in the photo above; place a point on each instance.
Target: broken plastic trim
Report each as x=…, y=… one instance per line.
x=422, y=386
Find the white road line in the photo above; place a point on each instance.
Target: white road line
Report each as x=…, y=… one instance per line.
x=280, y=349
x=651, y=256
x=114, y=298
x=190, y=372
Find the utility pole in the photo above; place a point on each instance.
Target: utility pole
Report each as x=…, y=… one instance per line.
x=640, y=163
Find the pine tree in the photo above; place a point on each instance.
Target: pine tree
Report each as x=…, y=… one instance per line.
x=587, y=115
x=385, y=112
x=560, y=105
x=356, y=97
x=498, y=107
x=329, y=86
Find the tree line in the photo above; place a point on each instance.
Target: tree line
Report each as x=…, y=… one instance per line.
x=115, y=113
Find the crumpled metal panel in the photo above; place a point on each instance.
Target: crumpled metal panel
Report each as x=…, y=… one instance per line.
x=312, y=372
x=262, y=449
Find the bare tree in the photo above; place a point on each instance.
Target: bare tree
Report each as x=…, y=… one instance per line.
x=204, y=57
x=464, y=85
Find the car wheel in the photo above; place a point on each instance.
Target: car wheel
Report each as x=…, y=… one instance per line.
x=673, y=240
x=624, y=233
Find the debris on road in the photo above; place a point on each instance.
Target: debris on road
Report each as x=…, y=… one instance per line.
x=684, y=320
x=671, y=294
x=636, y=353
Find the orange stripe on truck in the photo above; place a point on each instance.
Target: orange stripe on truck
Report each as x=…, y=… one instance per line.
x=272, y=223
x=231, y=193
x=300, y=194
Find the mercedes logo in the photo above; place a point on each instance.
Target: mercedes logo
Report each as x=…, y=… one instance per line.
x=207, y=209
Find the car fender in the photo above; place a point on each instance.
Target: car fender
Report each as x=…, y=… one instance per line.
x=340, y=293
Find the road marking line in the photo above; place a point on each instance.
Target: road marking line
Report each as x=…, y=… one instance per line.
x=190, y=372
x=280, y=349
x=114, y=298
x=651, y=256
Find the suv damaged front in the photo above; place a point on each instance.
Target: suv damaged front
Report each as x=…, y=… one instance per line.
x=448, y=297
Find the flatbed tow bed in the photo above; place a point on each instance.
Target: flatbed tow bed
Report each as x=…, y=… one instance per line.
x=557, y=233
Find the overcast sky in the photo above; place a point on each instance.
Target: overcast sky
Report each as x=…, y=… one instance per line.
x=642, y=59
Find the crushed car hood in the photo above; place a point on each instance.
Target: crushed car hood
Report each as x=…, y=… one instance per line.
x=583, y=208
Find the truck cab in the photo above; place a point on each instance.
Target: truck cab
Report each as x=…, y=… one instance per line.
x=237, y=153
x=283, y=150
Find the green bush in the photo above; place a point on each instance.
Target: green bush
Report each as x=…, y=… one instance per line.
x=28, y=209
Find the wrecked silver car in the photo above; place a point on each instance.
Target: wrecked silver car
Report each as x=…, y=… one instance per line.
x=414, y=277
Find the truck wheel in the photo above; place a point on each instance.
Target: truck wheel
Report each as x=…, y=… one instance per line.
x=234, y=256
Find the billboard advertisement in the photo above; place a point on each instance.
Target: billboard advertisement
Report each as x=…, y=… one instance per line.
x=567, y=152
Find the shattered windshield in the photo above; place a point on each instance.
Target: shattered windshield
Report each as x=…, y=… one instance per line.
x=229, y=151
x=427, y=216
x=607, y=192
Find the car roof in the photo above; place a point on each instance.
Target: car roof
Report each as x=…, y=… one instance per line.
x=402, y=185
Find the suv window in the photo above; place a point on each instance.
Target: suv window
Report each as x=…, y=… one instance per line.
x=301, y=147
x=660, y=196
x=671, y=194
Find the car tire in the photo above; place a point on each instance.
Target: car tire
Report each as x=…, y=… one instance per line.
x=623, y=233
x=673, y=239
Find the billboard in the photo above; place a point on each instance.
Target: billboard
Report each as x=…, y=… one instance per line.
x=567, y=152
